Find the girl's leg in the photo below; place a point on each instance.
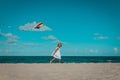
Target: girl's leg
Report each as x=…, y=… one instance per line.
x=59, y=61
x=52, y=60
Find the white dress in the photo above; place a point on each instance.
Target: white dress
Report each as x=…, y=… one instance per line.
x=57, y=54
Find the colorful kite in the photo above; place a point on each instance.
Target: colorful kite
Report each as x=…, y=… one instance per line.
x=39, y=25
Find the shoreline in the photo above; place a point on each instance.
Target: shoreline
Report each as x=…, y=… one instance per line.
x=65, y=63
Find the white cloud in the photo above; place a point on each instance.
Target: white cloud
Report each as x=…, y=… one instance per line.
x=53, y=39
x=5, y=51
x=12, y=40
x=30, y=44
x=8, y=43
x=115, y=50
x=100, y=37
x=93, y=51
x=50, y=37
x=13, y=44
x=30, y=27
x=8, y=34
x=56, y=41
x=10, y=37
x=5, y=35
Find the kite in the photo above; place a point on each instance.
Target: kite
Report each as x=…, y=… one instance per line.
x=39, y=25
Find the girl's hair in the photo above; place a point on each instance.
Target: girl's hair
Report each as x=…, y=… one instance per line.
x=59, y=44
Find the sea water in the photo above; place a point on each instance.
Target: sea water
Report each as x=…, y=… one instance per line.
x=65, y=59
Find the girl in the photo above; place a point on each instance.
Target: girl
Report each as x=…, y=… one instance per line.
x=56, y=53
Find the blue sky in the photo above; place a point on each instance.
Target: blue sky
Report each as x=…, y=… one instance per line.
x=85, y=27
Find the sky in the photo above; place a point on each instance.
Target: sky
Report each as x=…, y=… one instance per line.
x=85, y=27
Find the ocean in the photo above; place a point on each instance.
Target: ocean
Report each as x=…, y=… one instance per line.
x=65, y=59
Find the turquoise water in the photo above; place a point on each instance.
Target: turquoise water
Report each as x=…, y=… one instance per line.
x=65, y=59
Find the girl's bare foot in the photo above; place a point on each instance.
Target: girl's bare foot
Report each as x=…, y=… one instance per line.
x=50, y=62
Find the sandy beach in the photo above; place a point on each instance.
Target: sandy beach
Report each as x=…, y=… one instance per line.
x=83, y=71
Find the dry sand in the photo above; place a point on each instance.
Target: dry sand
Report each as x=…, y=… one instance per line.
x=89, y=71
